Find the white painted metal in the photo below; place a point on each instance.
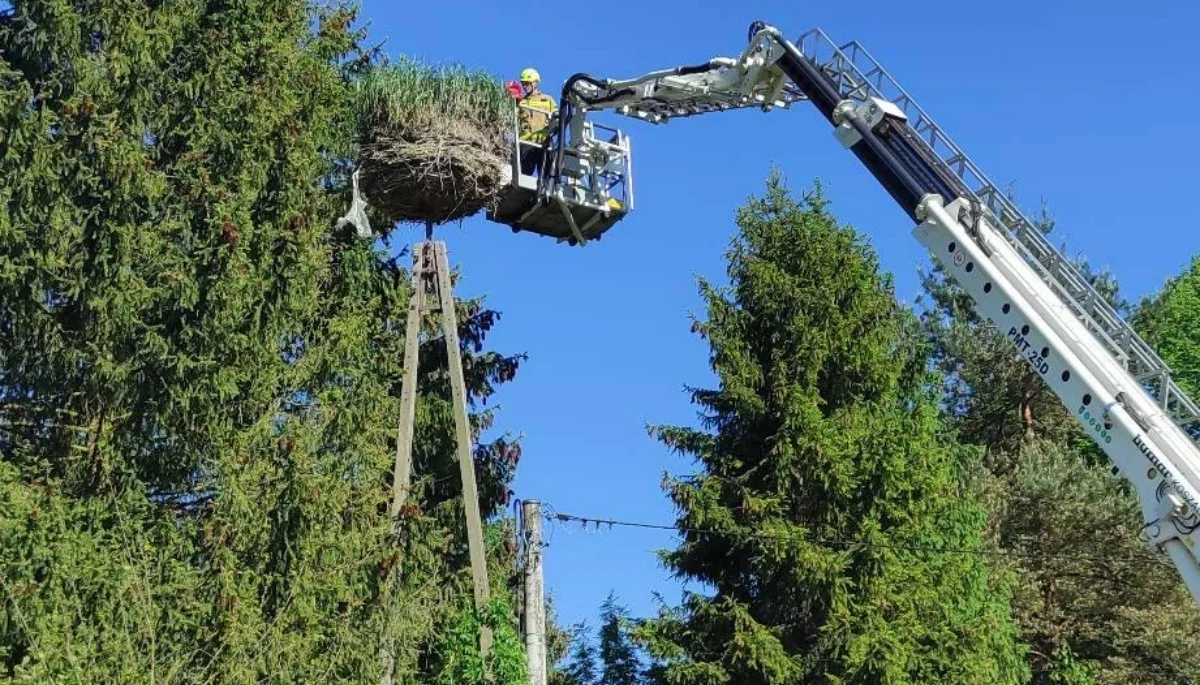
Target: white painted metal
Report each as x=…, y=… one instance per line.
x=1160, y=467
x=1117, y=379
x=858, y=76
x=871, y=112
x=1114, y=384
x=750, y=80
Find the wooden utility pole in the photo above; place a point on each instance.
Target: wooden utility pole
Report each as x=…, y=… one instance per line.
x=466, y=457
x=535, y=602
x=432, y=292
x=402, y=471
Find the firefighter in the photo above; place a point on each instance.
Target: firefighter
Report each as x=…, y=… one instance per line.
x=537, y=109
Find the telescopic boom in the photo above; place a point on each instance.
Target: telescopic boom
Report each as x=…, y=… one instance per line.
x=1112, y=382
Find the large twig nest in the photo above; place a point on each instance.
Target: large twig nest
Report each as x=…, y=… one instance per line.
x=433, y=144
x=446, y=172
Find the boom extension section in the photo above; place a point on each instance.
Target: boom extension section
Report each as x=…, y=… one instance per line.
x=1117, y=388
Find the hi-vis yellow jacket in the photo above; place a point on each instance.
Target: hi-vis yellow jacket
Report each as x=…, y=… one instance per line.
x=534, y=113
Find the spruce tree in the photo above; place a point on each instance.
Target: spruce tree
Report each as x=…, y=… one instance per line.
x=582, y=665
x=199, y=377
x=619, y=656
x=829, y=518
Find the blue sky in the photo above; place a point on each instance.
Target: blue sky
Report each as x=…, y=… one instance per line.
x=1088, y=105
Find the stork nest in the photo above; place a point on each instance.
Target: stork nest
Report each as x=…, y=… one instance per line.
x=432, y=140
x=442, y=172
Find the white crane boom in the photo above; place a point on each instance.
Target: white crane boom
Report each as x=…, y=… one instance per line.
x=1117, y=388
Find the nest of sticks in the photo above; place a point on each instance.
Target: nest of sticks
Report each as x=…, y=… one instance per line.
x=433, y=145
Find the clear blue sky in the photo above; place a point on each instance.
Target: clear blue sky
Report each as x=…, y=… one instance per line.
x=1089, y=105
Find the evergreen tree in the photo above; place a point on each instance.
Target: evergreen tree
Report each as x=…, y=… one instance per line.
x=618, y=653
x=829, y=519
x=198, y=379
x=1094, y=598
x=582, y=665
x=1069, y=528
x=1169, y=321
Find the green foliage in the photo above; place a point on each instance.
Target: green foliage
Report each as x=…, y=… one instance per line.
x=614, y=659
x=93, y=590
x=619, y=658
x=1170, y=322
x=1067, y=669
x=411, y=95
x=829, y=519
x=457, y=654
x=1071, y=532
x=198, y=379
x=1069, y=527
x=562, y=645
x=582, y=666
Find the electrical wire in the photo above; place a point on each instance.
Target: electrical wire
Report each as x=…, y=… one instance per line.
x=1101, y=569
x=1103, y=561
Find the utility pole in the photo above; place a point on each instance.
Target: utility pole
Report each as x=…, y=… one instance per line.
x=466, y=457
x=432, y=292
x=535, y=603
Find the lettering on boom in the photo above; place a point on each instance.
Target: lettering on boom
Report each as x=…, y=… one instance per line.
x=1149, y=454
x=1031, y=355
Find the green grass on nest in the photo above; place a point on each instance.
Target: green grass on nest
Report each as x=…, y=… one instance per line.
x=433, y=144
x=409, y=94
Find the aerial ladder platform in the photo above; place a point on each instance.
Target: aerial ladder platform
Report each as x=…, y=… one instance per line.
x=583, y=188
x=1114, y=384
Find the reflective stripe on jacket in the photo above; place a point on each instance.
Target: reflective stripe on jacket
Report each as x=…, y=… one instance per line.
x=535, y=113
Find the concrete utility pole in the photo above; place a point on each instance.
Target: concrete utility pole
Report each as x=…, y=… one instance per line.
x=535, y=601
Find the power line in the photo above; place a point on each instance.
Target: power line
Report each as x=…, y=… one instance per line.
x=763, y=535
x=744, y=535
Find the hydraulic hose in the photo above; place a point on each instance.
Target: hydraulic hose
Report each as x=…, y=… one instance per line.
x=891, y=159
x=609, y=92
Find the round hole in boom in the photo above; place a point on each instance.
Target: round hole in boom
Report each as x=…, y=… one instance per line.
x=1045, y=352
x=1087, y=399
x=1025, y=329
x=1006, y=308
x=987, y=287
x=970, y=267
x=953, y=247
x=1108, y=425
x=1066, y=376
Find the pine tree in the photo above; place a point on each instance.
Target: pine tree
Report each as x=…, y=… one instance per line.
x=1095, y=598
x=1081, y=605
x=829, y=518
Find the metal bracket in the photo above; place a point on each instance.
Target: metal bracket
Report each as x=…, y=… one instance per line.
x=970, y=214
x=871, y=112
x=570, y=220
